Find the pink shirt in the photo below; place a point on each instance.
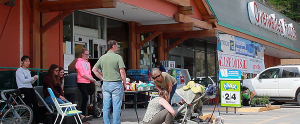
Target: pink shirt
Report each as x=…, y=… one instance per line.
x=83, y=67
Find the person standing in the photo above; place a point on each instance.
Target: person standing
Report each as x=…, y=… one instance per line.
x=24, y=82
x=113, y=71
x=165, y=81
x=84, y=78
x=160, y=66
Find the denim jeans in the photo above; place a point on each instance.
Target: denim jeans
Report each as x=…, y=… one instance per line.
x=49, y=101
x=172, y=92
x=112, y=93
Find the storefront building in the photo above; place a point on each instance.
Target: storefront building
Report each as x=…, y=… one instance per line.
x=53, y=32
x=252, y=36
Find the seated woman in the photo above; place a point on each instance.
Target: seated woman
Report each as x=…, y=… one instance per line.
x=51, y=80
x=70, y=96
x=155, y=114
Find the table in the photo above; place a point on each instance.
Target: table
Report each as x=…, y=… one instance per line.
x=135, y=102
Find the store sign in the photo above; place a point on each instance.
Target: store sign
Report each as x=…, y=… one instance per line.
x=225, y=74
x=230, y=93
x=239, y=62
x=270, y=22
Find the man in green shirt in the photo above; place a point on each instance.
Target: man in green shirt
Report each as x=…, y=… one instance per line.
x=113, y=73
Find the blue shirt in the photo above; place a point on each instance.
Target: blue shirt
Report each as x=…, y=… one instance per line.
x=162, y=68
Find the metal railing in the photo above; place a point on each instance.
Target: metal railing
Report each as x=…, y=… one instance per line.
x=11, y=71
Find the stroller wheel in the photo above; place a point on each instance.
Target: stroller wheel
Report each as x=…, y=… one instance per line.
x=98, y=110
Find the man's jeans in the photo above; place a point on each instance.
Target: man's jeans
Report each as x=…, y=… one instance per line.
x=112, y=92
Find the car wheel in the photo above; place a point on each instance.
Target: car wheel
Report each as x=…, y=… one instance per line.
x=298, y=98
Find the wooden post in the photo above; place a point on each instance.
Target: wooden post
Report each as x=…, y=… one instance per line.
x=138, y=51
x=44, y=20
x=35, y=35
x=132, y=44
x=165, y=43
x=161, y=48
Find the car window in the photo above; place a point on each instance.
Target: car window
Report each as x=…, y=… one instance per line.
x=270, y=73
x=290, y=72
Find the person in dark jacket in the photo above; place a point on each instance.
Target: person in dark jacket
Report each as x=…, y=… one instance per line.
x=160, y=66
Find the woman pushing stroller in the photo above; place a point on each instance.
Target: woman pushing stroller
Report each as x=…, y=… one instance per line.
x=155, y=114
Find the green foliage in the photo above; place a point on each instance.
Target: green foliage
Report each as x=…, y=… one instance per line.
x=290, y=8
x=263, y=100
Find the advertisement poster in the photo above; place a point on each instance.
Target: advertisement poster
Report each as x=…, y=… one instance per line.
x=230, y=93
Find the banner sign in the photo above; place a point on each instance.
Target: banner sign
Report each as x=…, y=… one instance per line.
x=230, y=93
x=239, y=62
x=225, y=74
x=270, y=22
x=231, y=44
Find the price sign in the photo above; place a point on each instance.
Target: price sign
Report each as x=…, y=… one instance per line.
x=230, y=93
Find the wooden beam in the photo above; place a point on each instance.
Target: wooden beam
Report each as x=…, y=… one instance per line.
x=190, y=34
x=210, y=20
x=44, y=39
x=55, y=20
x=164, y=27
x=203, y=7
x=197, y=23
x=175, y=44
x=252, y=38
x=151, y=37
x=132, y=45
x=52, y=6
x=186, y=10
x=180, y=2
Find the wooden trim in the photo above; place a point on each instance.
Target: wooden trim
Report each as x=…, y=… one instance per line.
x=204, y=9
x=175, y=44
x=151, y=37
x=252, y=38
x=52, y=6
x=164, y=27
x=200, y=24
x=186, y=10
x=180, y=2
x=191, y=34
x=132, y=46
x=55, y=20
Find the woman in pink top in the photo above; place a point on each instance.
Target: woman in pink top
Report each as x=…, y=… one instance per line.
x=84, y=77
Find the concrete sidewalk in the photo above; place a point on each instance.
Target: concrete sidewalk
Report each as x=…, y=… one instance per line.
x=129, y=116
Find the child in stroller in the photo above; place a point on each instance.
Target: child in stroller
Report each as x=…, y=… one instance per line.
x=190, y=107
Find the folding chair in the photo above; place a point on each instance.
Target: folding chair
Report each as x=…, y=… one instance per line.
x=65, y=112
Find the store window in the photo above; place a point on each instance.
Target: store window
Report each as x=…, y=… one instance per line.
x=117, y=30
x=67, y=43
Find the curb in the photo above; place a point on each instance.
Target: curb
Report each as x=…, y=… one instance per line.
x=247, y=109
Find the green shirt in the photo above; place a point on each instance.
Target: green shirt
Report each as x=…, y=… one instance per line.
x=166, y=78
x=110, y=64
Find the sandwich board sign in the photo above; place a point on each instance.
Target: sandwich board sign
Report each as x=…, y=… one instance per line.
x=230, y=86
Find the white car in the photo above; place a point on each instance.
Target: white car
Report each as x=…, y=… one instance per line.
x=203, y=81
x=281, y=83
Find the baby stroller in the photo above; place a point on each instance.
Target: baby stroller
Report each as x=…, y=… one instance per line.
x=190, y=111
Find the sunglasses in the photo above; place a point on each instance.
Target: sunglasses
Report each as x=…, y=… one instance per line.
x=156, y=76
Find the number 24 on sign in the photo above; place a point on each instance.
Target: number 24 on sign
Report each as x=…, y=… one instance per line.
x=229, y=95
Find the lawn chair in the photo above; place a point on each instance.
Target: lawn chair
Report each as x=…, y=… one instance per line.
x=65, y=112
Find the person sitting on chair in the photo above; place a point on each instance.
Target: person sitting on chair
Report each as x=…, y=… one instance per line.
x=155, y=114
x=51, y=80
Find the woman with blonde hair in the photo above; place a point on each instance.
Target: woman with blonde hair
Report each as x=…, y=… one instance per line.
x=165, y=81
x=84, y=78
x=155, y=113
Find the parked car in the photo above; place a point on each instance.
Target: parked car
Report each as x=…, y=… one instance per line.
x=281, y=83
x=202, y=80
